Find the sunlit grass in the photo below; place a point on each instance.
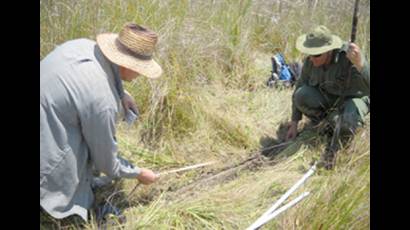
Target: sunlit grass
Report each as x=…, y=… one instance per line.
x=211, y=104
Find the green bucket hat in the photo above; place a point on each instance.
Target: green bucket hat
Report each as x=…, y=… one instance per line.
x=318, y=41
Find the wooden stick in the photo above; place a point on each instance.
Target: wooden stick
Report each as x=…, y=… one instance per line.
x=174, y=171
x=186, y=168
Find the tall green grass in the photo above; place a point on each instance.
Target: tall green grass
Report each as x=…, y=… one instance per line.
x=211, y=103
x=201, y=43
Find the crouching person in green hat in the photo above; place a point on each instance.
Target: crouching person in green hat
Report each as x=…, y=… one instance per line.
x=81, y=99
x=322, y=82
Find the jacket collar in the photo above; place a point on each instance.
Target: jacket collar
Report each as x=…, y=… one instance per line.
x=338, y=52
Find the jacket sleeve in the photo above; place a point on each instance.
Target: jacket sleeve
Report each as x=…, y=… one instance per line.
x=296, y=114
x=362, y=78
x=99, y=133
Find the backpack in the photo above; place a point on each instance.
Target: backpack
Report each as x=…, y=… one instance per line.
x=283, y=74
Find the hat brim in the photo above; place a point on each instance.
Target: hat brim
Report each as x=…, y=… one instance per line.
x=120, y=55
x=336, y=44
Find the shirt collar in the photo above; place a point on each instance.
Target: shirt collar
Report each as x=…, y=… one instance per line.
x=114, y=68
x=337, y=52
x=117, y=79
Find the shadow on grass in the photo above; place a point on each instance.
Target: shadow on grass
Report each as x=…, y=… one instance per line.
x=111, y=202
x=48, y=222
x=272, y=148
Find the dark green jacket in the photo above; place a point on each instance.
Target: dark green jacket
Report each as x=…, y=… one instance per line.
x=331, y=80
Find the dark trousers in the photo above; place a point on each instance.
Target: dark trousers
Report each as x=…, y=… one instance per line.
x=318, y=105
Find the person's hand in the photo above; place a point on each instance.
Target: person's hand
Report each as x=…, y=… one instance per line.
x=147, y=176
x=355, y=56
x=292, y=131
x=129, y=103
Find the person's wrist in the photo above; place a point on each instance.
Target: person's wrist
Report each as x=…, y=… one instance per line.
x=359, y=66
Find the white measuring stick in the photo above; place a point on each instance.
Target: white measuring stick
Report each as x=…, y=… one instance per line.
x=286, y=195
x=280, y=210
x=186, y=168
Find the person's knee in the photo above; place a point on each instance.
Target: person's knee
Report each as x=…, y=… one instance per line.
x=308, y=100
x=300, y=96
x=350, y=122
x=353, y=116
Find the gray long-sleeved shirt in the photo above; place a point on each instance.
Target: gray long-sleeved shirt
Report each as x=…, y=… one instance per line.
x=79, y=106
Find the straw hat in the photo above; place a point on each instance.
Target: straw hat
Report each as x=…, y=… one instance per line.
x=132, y=48
x=318, y=41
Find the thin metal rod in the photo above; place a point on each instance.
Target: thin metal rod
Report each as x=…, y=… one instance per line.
x=174, y=171
x=273, y=146
x=133, y=190
x=199, y=165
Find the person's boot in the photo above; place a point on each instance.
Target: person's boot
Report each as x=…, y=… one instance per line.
x=105, y=212
x=328, y=158
x=326, y=129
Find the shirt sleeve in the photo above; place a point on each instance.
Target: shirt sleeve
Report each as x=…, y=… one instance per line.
x=296, y=114
x=99, y=133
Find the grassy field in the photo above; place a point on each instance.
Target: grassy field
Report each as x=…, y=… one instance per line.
x=212, y=104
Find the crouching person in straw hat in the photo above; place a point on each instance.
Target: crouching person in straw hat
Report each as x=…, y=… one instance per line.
x=321, y=85
x=81, y=97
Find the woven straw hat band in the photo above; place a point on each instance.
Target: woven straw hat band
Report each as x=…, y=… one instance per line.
x=139, y=40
